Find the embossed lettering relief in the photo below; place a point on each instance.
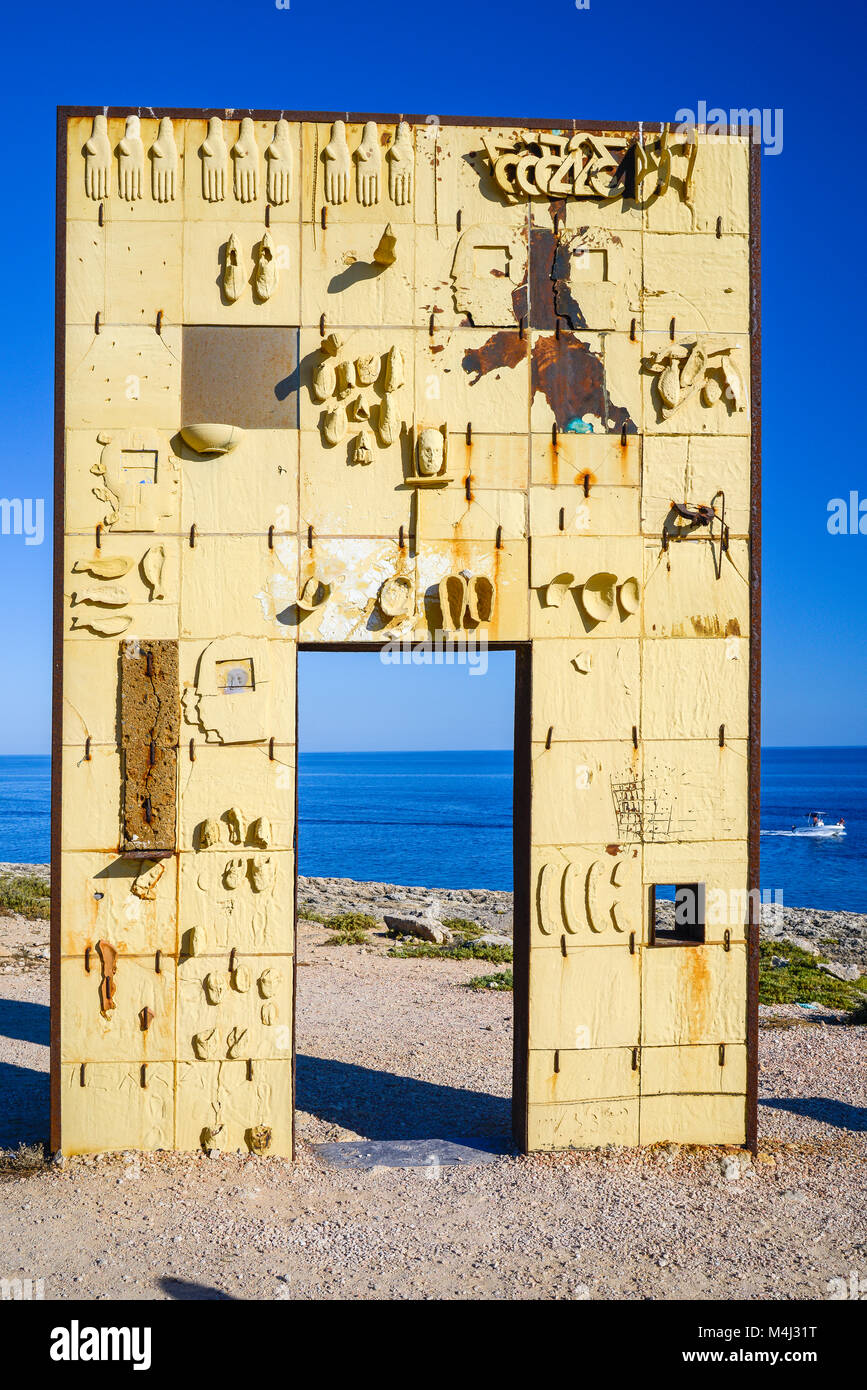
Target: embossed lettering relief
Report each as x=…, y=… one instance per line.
x=559, y=164
x=593, y=896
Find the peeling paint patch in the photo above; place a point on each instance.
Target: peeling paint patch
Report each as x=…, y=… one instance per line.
x=503, y=349
x=571, y=377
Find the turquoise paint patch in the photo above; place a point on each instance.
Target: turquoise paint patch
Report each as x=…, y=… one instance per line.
x=579, y=426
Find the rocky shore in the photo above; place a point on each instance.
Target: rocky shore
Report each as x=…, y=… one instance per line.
x=840, y=936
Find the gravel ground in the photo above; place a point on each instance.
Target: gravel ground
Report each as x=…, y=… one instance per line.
x=661, y=1223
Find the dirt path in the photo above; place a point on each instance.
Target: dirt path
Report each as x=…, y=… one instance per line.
x=394, y=1048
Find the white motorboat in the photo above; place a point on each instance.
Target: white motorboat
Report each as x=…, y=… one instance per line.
x=817, y=829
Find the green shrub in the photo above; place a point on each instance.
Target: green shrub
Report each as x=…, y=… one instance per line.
x=26, y=894
x=350, y=928
x=462, y=926
x=306, y=914
x=859, y=1013
x=502, y=980
x=352, y=921
x=498, y=955
x=801, y=981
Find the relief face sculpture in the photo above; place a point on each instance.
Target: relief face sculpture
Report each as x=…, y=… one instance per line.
x=489, y=265
x=430, y=453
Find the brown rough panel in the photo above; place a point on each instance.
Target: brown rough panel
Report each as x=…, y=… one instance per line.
x=247, y=376
x=150, y=729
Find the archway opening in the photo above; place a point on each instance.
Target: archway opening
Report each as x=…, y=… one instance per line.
x=409, y=854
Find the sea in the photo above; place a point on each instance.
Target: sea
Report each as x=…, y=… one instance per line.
x=444, y=820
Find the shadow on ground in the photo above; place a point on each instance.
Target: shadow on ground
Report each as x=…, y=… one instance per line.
x=185, y=1291
x=23, y=1106
x=381, y=1105
x=25, y=1021
x=824, y=1109
x=23, y=1090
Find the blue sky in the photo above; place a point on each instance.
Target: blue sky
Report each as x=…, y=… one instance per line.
x=615, y=60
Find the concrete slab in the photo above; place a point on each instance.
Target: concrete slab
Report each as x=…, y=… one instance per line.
x=413, y=1153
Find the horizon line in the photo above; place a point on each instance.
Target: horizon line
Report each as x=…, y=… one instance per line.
x=765, y=748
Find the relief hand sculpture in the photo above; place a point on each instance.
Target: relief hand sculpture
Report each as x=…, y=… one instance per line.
x=336, y=156
x=279, y=163
x=130, y=161
x=214, y=154
x=164, y=163
x=368, y=158
x=97, y=161
x=245, y=154
x=400, y=160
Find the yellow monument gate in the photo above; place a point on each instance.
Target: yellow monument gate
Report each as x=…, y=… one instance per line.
x=329, y=382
